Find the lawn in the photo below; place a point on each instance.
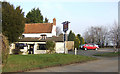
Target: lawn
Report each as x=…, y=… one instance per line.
x=110, y=54
x=20, y=63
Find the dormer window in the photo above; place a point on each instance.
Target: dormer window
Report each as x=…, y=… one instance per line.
x=43, y=36
x=21, y=37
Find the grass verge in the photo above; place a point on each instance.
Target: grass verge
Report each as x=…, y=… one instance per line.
x=21, y=63
x=110, y=54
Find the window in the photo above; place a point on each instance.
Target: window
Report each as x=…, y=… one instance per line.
x=91, y=45
x=20, y=45
x=43, y=36
x=41, y=47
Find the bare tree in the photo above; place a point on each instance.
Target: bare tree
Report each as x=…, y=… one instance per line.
x=58, y=31
x=86, y=37
x=115, y=35
x=118, y=35
x=97, y=35
x=89, y=35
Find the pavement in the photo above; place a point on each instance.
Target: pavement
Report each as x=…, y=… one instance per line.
x=103, y=64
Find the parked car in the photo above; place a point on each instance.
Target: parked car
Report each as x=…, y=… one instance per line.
x=96, y=45
x=81, y=46
x=90, y=46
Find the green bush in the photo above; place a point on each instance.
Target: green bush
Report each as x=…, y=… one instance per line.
x=109, y=54
x=50, y=45
x=76, y=43
x=13, y=21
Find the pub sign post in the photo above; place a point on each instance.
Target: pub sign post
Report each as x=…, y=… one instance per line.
x=65, y=28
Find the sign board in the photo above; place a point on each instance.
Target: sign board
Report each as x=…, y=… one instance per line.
x=65, y=26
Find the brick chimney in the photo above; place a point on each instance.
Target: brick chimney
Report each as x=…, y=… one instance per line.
x=54, y=21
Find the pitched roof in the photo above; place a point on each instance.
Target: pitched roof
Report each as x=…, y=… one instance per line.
x=38, y=28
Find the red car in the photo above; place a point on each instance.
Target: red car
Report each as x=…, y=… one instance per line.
x=90, y=46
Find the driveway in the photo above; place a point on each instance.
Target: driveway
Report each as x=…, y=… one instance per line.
x=101, y=65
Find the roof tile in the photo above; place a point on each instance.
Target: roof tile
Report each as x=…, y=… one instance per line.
x=38, y=28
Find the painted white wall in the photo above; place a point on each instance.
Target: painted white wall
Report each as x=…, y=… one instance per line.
x=32, y=42
x=59, y=47
x=36, y=34
x=35, y=48
x=24, y=50
x=54, y=30
x=12, y=46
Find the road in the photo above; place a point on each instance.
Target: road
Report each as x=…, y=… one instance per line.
x=92, y=52
x=101, y=65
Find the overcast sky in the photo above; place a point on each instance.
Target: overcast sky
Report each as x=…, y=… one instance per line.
x=81, y=13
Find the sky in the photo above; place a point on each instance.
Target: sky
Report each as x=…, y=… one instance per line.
x=81, y=14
